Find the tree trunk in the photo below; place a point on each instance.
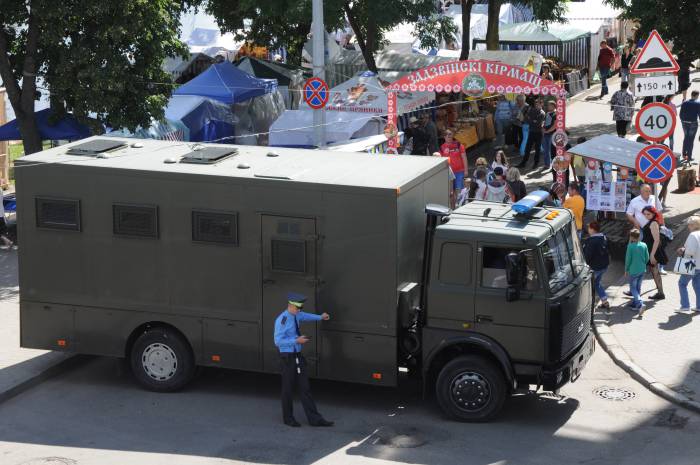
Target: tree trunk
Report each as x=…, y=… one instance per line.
x=466, y=23
x=31, y=137
x=366, y=43
x=492, y=25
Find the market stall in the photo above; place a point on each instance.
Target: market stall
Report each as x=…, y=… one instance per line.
x=289, y=78
x=295, y=128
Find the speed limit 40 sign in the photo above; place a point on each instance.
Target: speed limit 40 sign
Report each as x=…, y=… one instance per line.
x=655, y=122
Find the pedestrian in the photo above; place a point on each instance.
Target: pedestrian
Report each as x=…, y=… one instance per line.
x=457, y=156
x=684, y=65
x=548, y=128
x=622, y=106
x=577, y=205
x=668, y=100
x=652, y=237
x=606, y=57
x=3, y=224
x=501, y=160
x=481, y=164
x=636, y=259
x=625, y=62
x=431, y=130
x=497, y=189
x=516, y=185
x=503, y=118
x=689, y=116
x=289, y=341
x=595, y=249
x=517, y=117
x=546, y=73
x=478, y=187
x=637, y=204
x=418, y=136
x=557, y=192
x=691, y=249
x=535, y=121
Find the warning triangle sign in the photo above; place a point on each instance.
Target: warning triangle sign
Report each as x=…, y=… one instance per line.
x=655, y=57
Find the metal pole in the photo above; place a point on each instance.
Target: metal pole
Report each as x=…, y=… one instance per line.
x=319, y=65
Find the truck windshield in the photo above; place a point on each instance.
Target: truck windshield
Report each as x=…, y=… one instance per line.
x=563, y=258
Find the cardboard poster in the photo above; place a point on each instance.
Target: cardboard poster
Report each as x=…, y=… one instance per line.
x=606, y=196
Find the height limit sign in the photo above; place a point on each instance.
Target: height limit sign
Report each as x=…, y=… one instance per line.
x=655, y=85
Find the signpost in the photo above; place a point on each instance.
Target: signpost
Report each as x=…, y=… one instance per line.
x=655, y=121
x=655, y=57
x=655, y=163
x=652, y=86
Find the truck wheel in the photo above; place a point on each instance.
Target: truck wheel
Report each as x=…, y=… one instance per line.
x=161, y=360
x=471, y=388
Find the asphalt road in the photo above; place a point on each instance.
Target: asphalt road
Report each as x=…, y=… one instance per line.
x=95, y=414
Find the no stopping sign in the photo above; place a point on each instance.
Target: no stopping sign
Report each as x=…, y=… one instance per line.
x=655, y=122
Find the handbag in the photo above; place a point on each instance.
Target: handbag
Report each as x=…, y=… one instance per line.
x=684, y=265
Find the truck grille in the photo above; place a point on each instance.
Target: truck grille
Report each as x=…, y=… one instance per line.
x=568, y=328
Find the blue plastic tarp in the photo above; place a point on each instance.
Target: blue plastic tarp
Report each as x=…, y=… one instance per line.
x=227, y=84
x=206, y=120
x=67, y=128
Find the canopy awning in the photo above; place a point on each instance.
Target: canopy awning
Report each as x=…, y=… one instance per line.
x=613, y=149
x=66, y=128
x=295, y=128
x=534, y=33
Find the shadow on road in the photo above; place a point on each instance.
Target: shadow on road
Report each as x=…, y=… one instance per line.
x=9, y=282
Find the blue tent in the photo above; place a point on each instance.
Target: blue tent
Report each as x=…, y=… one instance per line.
x=206, y=120
x=67, y=128
x=228, y=84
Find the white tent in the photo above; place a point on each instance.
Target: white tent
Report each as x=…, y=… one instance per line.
x=295, y=128
x=365, y=94
x=202, y=35
x=613, y=149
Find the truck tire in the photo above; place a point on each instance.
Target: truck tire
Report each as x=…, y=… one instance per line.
x=161, y=360
x=471, y=388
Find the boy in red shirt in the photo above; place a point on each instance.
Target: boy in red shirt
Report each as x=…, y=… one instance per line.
x=458, y=162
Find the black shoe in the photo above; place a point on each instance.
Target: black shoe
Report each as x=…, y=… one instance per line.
x=292, y=423
x=658, y=296
x=628, y=293
x=323, y=422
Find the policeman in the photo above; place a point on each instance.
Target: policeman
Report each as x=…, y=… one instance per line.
x=289, y=341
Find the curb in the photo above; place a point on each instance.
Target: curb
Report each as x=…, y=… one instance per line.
x=609, y=343
x=59, y=367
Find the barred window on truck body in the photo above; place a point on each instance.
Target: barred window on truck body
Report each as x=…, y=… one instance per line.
x=289, y=256
x=58, y=214
x=135, y=220
x=215, y=227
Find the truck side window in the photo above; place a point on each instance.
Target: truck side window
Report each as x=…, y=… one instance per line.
x=289, y=256
x=493, y=268
x=455, y=263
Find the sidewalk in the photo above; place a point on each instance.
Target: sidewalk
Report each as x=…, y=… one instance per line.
x=19, y=368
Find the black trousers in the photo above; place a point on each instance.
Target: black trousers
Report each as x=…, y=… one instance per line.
x=517, y=136
x=293, y=379
x=533, y=138
x=621, y=127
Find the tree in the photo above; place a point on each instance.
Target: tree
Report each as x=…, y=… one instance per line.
x=543, y=10
x=675, y=20
x=287, y=22
x=94, y=57
x=466, y=28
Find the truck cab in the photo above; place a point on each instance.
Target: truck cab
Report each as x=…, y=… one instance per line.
x=507, y=304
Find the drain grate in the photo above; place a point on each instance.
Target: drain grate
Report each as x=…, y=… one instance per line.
x=614, y=393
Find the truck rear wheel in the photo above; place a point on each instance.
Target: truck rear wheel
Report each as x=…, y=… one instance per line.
x=471, y=388
x=161, y=360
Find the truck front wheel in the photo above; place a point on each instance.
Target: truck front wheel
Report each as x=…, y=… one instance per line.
x=471, y=388
x=161, y=360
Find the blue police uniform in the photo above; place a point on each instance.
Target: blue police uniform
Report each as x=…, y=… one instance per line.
x=293, y=364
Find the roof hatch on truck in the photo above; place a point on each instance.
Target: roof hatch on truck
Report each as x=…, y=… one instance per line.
x=96, y=147
x=208, y=155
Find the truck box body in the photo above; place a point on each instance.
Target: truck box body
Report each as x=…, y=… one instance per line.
x=117, y=241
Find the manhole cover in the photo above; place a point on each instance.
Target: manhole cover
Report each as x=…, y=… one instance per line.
x=399, y=438
x=613, y=393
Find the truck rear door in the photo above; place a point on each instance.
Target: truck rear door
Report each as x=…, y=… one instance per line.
x=289, y=247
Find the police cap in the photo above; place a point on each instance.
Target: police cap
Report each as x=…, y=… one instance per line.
x=296, y=299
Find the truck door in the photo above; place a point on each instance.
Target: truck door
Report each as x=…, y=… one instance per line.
x=288, y=265
x=519, y=326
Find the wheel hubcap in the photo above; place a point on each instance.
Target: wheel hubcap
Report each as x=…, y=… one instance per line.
x=159, y=361
x=470, y=391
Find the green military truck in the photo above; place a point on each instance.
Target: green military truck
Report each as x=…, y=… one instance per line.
x=174, y=255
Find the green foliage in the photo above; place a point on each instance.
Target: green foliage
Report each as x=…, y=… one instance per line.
x=288, y=22
x=675, y=20
x=94, y=56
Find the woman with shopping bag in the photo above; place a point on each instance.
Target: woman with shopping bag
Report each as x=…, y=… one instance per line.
x=686, y=266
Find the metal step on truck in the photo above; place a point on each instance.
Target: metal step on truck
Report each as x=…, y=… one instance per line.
x=175, y=255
